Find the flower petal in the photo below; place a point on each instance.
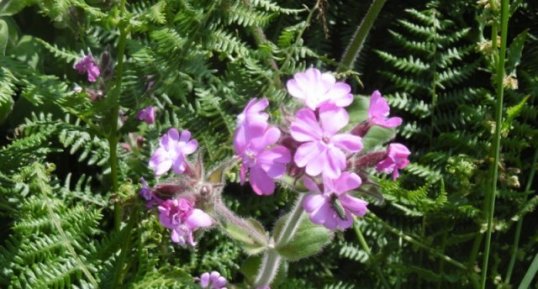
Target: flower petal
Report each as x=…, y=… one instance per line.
x=160, y=162
x=355, y=205
x=261, y=183
x=332, y=118
x=340, y=94
x=346, y=182
x=305, y=127
x=198, y=219
x=336, y=162
x=378, y=106
x=348, y=142
x=190, y=147
x=306, y=152
x=313, y=202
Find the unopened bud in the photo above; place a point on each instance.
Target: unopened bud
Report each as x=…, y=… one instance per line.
x=369, y=160
x=361, y=129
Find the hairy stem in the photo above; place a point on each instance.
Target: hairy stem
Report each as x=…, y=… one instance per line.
x=357, y=40
x=114, y=100
x=271, y=260
x=505, y=9
x=364, y=245
x=515, y=246
x=225, y=215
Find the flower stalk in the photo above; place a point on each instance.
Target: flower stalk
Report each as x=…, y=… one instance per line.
x=113, y=137
x=271, y=259
x=354, y=48
x=490, y=209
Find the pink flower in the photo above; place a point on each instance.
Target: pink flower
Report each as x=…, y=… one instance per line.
x=179, y=216
x=397, y=158
x=323, y=150
x=379, y=111
x=212, y=280
x=147, y=115
x=172, y=152
x=255, y=143
x=334, y=207
x=88, y=65
x=316, y=88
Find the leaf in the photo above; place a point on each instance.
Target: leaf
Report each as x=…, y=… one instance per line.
x=309, y=240
x=513, y=112
x=514, y=52
x=12, y=7
x=531, y=272
x=241, y=234
x=358, y=110
x=377, y=136
x=4, y=37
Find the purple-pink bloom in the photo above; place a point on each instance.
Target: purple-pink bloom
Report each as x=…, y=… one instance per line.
x=147, y=115
x=172, y=152
x=322, y=206
x=323, y=150
x=397, y=158
x=379, y=110
x=255, y=143
x=316, y=88
x=213, y=280
x=147, y=193
x=88, y=65
x=180, y=216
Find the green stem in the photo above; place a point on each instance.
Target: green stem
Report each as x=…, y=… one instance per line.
x=354, y=48
x=417, y=243
x=519, y=226
x=113, y=137
x=271, y=260
x=362, y=242
x=505, y=9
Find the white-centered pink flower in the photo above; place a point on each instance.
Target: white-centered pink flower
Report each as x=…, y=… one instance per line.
x=396, y=159
x=323, y=150
x=315, y=88
x=379, y=111
x=334, y=207
x=180, y=216
x=255, y=142
x=172, y=152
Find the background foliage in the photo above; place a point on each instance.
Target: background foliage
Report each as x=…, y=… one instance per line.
x=199, y=62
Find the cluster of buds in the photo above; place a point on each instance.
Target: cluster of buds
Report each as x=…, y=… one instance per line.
x=312, y=147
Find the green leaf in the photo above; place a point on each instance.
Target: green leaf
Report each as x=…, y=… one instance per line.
x=4, y=37
x=514, y=52
x=12, y=7
x=358, y=110
x=531, y=272
x=513, y=112
x=377, y=136
x=308, y=240
x=241, y=234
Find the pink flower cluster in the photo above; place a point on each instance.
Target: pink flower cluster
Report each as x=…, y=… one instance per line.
x=314, y=147
x=212, y=280
x=88, y=65
x=178, y=213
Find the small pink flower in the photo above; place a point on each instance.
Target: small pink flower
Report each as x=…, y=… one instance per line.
x=255, y=143
x=172, y=152
x=88, y=65
x=379, y=110
x=323, y=150
x=147, y=115
x=180, y=216
x=321, y=205
x=212, y=280
x=397, y=158
x=316, y=88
